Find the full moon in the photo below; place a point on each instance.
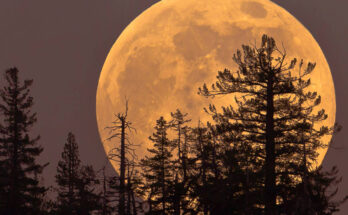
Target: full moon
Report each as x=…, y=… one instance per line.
x=172, y=48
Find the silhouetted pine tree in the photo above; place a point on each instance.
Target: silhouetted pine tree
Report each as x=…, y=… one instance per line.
x=311, y=196
x=20, y=189
x=323, y=187
x=68, y=177
x=87, y=198
x=201, y=151
x=182, y=166
x=234, y=171
x=268, y=117
x=217, y=174
x=76, y=183
x=318, y=192
x=158, y=170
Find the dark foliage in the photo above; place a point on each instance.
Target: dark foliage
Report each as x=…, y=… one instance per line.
x=272, y=118
x=21, y=192
x=76, y=183
x=158, y=172
x=257, y=156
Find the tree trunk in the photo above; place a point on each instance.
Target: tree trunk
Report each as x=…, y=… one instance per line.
x=104, y=194
x=134, y=203
x=14, y=195
x=204, y=169
x=163, y=182
x=270, y=185
x=13, y=185
x=128, y=197
x=121, y=206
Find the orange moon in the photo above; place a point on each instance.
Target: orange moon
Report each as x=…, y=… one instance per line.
x=172, y=48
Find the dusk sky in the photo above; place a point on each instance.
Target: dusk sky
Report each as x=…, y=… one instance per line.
x=63, y=44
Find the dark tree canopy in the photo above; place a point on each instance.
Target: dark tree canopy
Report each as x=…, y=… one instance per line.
x=182, y=162
x=68, y=175
x=20, y=188
x=257, y=155
x=76, y=182
x=272, y=116
x=158, y=172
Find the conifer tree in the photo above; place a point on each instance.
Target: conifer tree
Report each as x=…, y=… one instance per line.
x=67, y=177
x=20, y=171
x=180, y=190
x=236, y=168
x=87, y=198
x=201, y=151
x=268, y=115
x=322, y=188
x=76, y=183
x=317, y=195
x=216, y=181
x=158, y=172
x=311, y=196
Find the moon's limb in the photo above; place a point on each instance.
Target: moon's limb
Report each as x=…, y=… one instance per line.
x=175, y=46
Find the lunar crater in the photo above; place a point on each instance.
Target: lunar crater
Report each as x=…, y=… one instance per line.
x=254, y=9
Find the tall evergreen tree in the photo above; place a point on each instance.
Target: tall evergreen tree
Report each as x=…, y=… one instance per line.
x=182, y=165
x=201, y=151
x=87, y=198
x=20, y=187
x=230, y=171
x=158, y=172
x=211, y=185
x=268, y=116
x=76, y=182
x=316, y=196
x=67, y=177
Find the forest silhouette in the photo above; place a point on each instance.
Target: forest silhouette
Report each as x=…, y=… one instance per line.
x=256, y=155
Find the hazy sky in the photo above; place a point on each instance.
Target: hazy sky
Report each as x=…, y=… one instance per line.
x=62, y=45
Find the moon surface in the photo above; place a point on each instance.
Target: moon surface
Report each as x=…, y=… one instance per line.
x=172, y=48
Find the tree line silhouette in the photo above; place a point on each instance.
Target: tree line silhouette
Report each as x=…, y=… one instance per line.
x=256, y=155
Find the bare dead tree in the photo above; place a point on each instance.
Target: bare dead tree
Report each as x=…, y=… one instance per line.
x=119, y=129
